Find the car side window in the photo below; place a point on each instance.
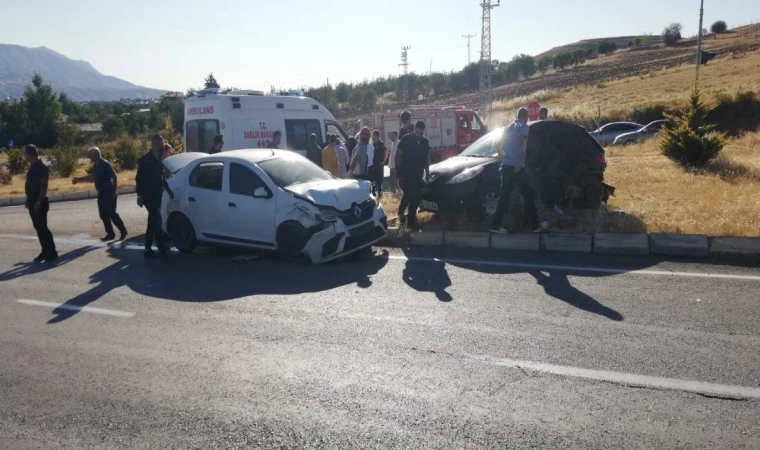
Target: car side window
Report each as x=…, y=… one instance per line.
x=477, y=126
x=244, y=181
x=464, y=124
x=208, y=175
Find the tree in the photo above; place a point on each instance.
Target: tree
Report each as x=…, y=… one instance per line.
x=692, y=141
x=43, y=112
x=638, y=41
x=12, y=121
x=718, y=27
x=561, y=60
x=606, y=47
x=671, y=34
x=211, y=82
x=579, y=56
x=114, y=126
x=543, y=64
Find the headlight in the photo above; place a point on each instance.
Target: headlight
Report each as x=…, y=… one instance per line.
x=327, y=215
x=467, y=175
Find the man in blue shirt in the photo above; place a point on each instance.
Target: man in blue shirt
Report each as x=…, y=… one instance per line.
x=513, y=172
x=104, y=177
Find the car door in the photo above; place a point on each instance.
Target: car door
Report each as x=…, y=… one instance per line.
x=250, y=207
x=203, y=198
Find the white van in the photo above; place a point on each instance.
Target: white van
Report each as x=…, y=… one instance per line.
x=249, y=119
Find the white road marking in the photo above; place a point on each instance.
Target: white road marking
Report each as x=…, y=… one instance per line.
x=591, y=269
x=629, y=379
x=88, y=309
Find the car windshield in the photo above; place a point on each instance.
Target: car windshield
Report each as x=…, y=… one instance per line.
x=288, y=171
x=484, y=147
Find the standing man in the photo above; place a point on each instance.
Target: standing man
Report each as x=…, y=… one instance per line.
x=392, y=161
x=513, y=172
x=543, y=113
x=343, y=158
x=38, y=204
x=276, y=138
x=104, y=178
x=313, y=151
x=361, y=160
x=414, y=152
x=150, y=186
x=218, y=144
x=330, y=157
x=378, y=163
x=406, y=128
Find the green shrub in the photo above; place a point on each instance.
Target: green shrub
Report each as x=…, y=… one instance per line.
x=5, y=176
x=692, y=142
x=64, y=160
x=126, y=153
x=16, y=161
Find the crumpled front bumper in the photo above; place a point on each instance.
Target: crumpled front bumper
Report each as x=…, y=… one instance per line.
x=336, y=240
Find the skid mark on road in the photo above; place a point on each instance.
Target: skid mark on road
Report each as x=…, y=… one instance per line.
x=87, y=309
x=589, y=269
x=628, y=379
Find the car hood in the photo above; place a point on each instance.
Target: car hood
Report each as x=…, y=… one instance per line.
x=459, y=164
x=338, y=194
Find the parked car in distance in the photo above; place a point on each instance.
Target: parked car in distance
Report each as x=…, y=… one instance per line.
x=606, y=134
x=565, y=163
x=274, y=200
x=644, y=134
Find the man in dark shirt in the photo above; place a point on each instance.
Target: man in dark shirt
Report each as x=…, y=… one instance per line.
x=314, y=151
x=414, y=149
x=38, y=204
x=104, y=177
x=276, y=138
x=378, y=163
x=150, y=186
x=218, y=144
x=407, y=127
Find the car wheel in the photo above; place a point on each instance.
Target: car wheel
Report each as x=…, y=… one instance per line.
x=486, y=202
x=292, y=237
x=182, y=233
x=590, y=193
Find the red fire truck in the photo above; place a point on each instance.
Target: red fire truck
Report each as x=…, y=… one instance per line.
x=450, y=129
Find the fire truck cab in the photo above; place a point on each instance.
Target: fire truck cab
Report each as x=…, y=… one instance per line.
x=450, y=129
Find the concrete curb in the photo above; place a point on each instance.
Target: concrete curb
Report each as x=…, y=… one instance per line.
x=621, y=244
x=67, y=197
x=466, y=239
x=577, y=243
x=735, y=246
x=679, y=244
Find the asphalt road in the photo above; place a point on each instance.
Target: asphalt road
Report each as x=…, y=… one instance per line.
x=402, y=349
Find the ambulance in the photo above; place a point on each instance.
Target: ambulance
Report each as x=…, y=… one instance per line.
x=249, y=119
x=450, y=129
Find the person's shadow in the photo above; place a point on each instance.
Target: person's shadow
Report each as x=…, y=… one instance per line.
x=25, y=269
x=557, y=285
x=426, y=276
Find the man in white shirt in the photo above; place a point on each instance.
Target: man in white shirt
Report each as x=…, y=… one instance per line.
x=392, y=161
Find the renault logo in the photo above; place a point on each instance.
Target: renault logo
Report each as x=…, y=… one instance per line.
x=357, y=211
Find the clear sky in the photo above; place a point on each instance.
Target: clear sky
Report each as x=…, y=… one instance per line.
x=173, y=44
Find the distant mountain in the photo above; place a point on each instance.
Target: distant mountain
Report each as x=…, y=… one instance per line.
x=78, y=79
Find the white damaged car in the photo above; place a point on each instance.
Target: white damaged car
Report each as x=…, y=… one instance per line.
x=271, y=200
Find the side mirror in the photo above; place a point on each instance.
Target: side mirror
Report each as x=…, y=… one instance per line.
x=260, y=193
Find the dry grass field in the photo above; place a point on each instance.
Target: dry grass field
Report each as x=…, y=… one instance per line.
x=59, y=185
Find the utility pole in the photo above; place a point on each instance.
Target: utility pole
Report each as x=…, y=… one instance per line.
x=469, y=38
x=405, y=65
x=485, y=55
x=699, y=42
x=431, y=66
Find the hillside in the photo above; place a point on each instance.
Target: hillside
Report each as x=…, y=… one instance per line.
x=620, y=41
x=77, y=78
x=620, y=65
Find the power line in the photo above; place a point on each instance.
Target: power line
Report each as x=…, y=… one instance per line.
x=485, y=55
x=469, y=38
